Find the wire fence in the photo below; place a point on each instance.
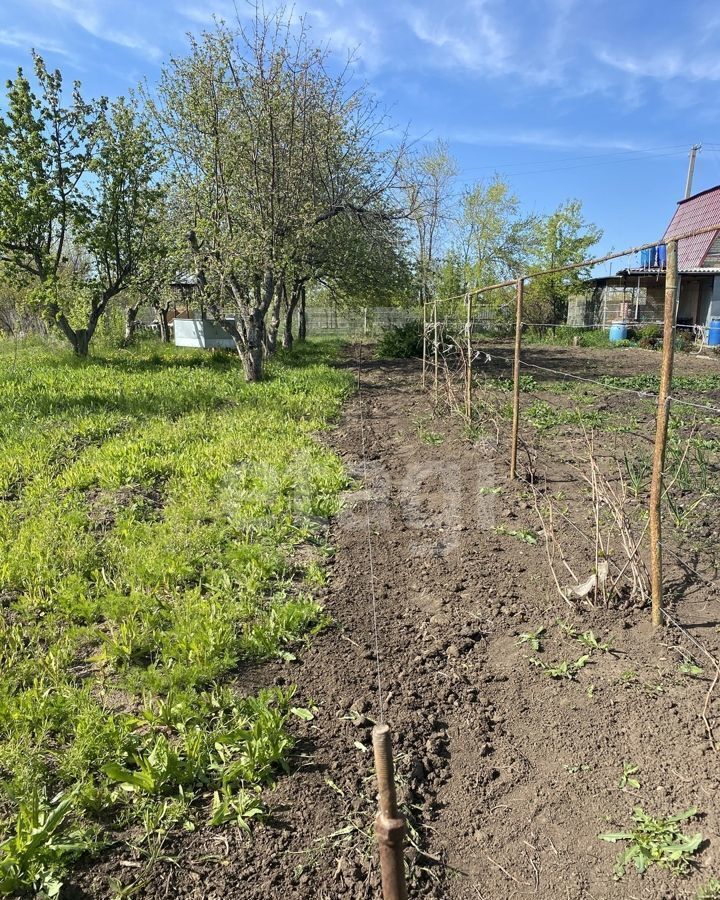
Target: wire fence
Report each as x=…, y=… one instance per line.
x=629, y=506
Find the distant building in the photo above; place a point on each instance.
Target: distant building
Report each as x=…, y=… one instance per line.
x=636, y=294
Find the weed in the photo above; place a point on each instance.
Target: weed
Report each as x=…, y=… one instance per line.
x=709, y=891
x=626, y=779
x=562, y=670
x=532, y=638
x=158, y=503
x=638, y=471
x=689, y=668
x=592, y=642
x=45, y=841
x=523, y=534
x=655, y=841
x=237, y=806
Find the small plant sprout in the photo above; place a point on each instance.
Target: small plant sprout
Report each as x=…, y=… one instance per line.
x=562, y=670
x=592, y=642
x=655, y=841
x=709, y=891
x=532, y=638
x=627, y=779
x=526, y=535
x=690, y=668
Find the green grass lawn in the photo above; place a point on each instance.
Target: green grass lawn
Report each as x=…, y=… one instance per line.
x=150, y=506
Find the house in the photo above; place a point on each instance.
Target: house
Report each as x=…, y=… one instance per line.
x=636, y=294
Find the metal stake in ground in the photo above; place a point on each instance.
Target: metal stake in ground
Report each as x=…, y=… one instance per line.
x=516, y=379
x=436, y=345
x=661, y=429
x=468, y=360
x=424, y=356
x=389, y=825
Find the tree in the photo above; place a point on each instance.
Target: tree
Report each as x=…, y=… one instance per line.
x=77, y=199
x=495, y=237
x=561, y=239
x=267, y=147
x=430, y=176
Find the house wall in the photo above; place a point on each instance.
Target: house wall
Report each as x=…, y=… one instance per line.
x=602, y=302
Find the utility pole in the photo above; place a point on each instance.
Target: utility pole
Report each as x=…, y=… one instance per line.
x=691, y=169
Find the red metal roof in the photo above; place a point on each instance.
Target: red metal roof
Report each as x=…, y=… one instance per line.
x=696, y=212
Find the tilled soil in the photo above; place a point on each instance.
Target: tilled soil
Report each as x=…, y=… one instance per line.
x=506, y=775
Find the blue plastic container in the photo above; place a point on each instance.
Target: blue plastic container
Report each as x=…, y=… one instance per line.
x=662, y=256
x=619, y=330
x=714, y=333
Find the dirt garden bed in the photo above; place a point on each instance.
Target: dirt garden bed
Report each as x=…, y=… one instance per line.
x=507, y=775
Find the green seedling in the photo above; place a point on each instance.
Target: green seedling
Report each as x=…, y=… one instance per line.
x=562, y=670
x=532, y=638
x=655, y=841
x=709, y=891
x=488, y=490
x=573, y=770
x=689, y=668
x=523, y=534
x=626, y=779
x=237, y=806
x=592, y=642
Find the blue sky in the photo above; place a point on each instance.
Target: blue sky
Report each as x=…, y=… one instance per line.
x=595, y=99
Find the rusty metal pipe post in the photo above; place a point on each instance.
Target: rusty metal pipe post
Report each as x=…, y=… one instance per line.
x=389, y=824
x=661, y=430
x=516, y=379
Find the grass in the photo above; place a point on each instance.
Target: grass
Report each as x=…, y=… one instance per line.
x=151, y=505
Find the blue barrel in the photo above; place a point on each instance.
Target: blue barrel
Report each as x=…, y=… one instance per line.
x=618, y=331
x=714, y=333
x=662, y=256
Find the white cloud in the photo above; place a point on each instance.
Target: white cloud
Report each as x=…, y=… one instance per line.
x=23, y=40
x=550, y=140
x=86, y=14
x=479, y=45
x=662, y=66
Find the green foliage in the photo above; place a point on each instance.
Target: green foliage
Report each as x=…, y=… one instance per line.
x=561, y=239
x=78, y=200
x=44, y=841
x=526, y=535
x=401, y=341
x=567, y=336
x=627, y=779
x=655, y=841
x=154, y=504
x=689, y=668
x=545, y=416
x=709, y=891
x=532, y=638
x=561, y=670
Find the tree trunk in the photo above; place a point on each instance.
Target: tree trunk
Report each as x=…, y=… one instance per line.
x=252, y=360
x=162, y=312
x=81, y=341
x=302, y=323
x=131, y=313
x=272, y=331
x=298, y=288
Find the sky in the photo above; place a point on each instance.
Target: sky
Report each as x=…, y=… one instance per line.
x=598, y=100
